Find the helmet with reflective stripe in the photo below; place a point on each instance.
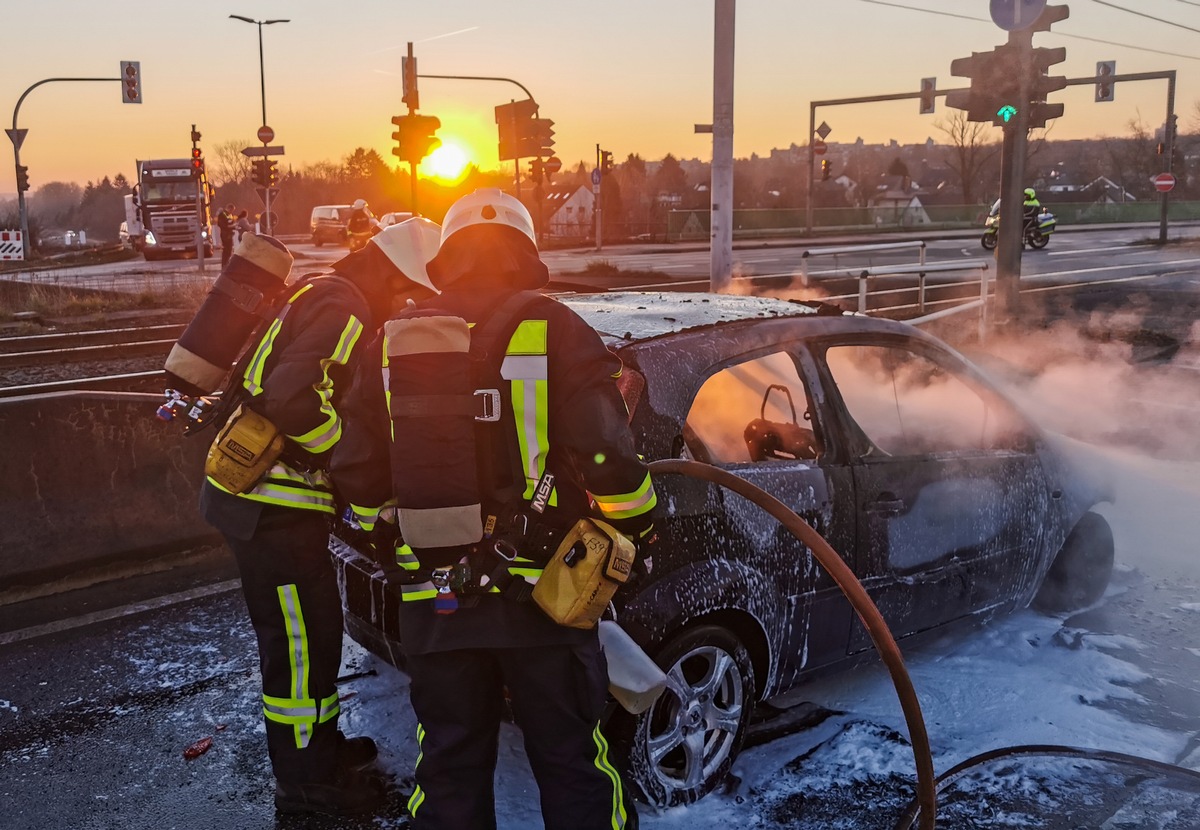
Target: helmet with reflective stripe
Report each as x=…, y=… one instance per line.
x=410, y=245
x=488, y=206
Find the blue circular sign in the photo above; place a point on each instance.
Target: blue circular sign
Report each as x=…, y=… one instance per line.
x=1014, y=15
x=595, y=177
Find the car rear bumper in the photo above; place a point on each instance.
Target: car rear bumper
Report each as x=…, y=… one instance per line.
x=371, y=608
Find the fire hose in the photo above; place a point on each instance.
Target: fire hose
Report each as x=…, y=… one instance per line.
x=862, y=603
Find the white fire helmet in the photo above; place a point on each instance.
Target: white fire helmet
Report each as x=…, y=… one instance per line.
x=410, y=245
x=359, y=204
x=488, y=206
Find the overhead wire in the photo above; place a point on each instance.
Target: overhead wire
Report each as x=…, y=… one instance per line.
x=1147, y=16
x=1059, y=34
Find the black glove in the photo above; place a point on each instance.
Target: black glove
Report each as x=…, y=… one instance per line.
x=646, y=542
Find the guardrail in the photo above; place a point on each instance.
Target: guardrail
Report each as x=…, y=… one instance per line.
x=921, y=270
x=856, y=249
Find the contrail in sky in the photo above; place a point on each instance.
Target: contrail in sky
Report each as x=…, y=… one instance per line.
x=426, y=40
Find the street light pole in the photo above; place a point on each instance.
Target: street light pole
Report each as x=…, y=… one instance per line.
x=262, y=82
x=262, y=76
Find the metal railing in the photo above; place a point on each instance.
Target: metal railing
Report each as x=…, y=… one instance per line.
x=808, y=253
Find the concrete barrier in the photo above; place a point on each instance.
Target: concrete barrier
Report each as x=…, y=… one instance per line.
x=91, y=479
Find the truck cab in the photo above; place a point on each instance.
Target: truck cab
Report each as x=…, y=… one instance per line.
x=171, y=206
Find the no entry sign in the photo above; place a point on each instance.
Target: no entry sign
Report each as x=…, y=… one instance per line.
x=1164, y=182
x=819, y=147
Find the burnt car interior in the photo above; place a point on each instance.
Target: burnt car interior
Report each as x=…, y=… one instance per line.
x=907, y=404
x=747, y=413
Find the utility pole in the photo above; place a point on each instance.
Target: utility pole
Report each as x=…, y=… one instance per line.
x=597, y=179
x=721, y=214
x=1012, y=199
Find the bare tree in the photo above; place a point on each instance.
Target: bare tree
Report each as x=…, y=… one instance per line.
x=227, y=165
x=969, y=152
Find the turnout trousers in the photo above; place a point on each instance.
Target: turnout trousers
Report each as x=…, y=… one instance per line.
x=557, y=694
x=291, y=593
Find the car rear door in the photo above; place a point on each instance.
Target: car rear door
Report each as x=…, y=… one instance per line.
x=950, y=495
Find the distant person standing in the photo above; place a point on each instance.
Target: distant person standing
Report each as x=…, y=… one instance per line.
x=225, y=223
x=243, y=225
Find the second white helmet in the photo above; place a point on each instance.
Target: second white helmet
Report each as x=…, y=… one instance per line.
x=488, y=206
x=410, y=245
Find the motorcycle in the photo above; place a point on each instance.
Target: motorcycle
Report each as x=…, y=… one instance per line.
x=1036, y=236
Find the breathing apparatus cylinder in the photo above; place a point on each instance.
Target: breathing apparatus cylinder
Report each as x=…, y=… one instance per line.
x=433, y=407
x=243, y=294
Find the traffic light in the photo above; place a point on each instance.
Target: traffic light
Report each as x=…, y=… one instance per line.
x=415, y=137
x=995, y=93
x=131, y=82
x=606, y=162
x=195, y=136
x=979, y=99
x=272, y=173
x=22, y=178
x=825, y=170
x=535, y=171
x=513, y=125
x=541, y=138
x=1105, y=89
x=261, y=172
x=408, y=73
x=197, y=163
x=1042, y=83
x=928, y=95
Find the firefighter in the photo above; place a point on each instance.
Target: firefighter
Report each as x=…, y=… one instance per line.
x=278, y=529
x=557, y=439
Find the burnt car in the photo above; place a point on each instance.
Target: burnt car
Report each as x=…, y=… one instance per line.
x=945, y=500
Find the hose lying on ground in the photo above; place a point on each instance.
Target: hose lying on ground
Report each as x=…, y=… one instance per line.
x=862, y=603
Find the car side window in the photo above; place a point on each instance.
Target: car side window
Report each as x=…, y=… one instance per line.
x=908, y=404
x=756, y=411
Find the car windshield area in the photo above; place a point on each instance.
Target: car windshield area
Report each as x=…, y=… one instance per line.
x=757, y=410
x=907, y=404
x=169, y=191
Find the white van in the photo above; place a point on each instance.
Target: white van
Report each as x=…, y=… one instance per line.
x=328, y=224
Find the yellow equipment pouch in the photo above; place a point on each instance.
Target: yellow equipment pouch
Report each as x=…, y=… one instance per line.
x=591, y=563
x=243, y=451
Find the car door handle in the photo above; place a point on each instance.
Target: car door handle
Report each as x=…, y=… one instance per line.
x=887, y=504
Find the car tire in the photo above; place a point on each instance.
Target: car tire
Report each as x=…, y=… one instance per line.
x=1081, y=570
x=683, y=746
x=318, y=241
x=988, y=241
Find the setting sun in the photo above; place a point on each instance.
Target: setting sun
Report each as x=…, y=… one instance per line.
x=448, y=163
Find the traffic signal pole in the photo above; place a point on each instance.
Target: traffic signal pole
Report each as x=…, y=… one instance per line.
x=721, y=246
x=1012, y=192
x=18, y=138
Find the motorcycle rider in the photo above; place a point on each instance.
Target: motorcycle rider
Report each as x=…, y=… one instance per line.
x=1031, y=207
x=361, y=219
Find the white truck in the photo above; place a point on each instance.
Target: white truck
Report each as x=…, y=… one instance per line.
x=168, y=212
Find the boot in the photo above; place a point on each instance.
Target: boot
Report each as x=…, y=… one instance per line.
x=349, y=793
x=356, y=752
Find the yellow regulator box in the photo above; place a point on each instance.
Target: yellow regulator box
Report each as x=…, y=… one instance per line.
x=591, y=563
x=243, y=451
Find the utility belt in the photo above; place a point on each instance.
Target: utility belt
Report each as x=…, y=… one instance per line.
x=582, y=567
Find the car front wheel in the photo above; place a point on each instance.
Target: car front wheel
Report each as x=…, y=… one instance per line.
x=683, y=747
x=1082, y=568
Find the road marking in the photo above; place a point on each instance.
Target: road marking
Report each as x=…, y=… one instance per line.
x=1125, y=248
x=1108, y=268
x=115, y=613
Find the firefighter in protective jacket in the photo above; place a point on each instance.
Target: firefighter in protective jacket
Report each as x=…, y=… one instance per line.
x=293, y=379
x=549, y=443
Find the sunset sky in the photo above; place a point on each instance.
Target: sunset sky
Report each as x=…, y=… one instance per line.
x=632, y=75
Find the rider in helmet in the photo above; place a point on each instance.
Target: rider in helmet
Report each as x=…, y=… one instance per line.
x=361, y=219
x=1032, y=207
